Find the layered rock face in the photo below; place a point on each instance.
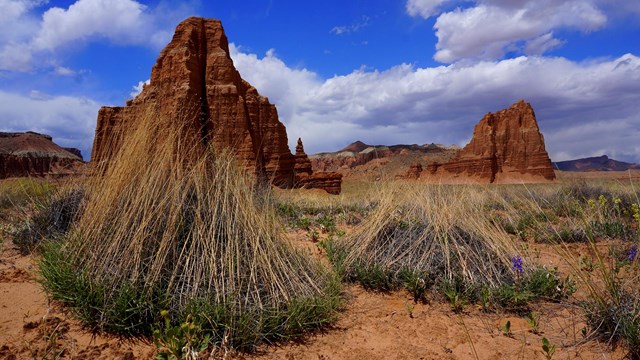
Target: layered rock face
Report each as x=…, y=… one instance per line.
x=33, y=154
x=359, y=153
x=331, y=182
x=195, y=84
x=413, y=173
x=506, y=147
x=302, y=162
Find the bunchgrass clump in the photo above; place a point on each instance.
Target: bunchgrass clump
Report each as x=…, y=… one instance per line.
x=171, y=228
x=440, y=236
x=52, y=217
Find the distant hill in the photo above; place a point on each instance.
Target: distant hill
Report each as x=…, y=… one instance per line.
x=598, y=163
x=32, y=154
x=362, y=159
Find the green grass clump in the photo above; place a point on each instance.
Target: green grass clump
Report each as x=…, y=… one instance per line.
x=170, y=226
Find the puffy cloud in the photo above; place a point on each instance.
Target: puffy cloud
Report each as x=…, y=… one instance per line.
x=137, y=89
x=124, y=22
x=424, y=8
x=70, y=120
x=487, y=29
x=585, y=108
x=120, y=21
x=492, y=27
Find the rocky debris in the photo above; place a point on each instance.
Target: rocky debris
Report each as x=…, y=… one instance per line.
x=598, y=163
x=506, y=146
x=413, y=173
x=33, y=154
x=195, y=84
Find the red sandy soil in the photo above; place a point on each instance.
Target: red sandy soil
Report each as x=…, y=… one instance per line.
x=372, y=326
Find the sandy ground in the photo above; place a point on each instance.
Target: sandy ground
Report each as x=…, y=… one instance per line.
x=372, y=326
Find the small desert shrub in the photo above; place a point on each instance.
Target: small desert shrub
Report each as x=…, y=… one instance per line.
x=52, y=218
x=168, y=225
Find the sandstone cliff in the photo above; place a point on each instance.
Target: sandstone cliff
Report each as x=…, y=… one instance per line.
x=33, y=154
x=194, y=83
x=331, y=182
x=506, y=147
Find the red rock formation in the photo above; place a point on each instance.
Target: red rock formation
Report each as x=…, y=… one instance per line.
x=302, y=164
x=33, y=154
x=506, y=146
x=331, y=182
x=74, y=151
x=359, y=153
x=413, y=173
x=195, y=84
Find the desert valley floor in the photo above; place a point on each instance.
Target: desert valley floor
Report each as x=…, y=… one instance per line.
x=372, y=325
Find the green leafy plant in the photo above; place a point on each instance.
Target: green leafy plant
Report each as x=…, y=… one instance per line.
x=534, y=322
x=506, y=329
x=455, y=299
x=485, y=298
x=410, y=308
x=548, y=348
x=416, y=283
x=184, y=341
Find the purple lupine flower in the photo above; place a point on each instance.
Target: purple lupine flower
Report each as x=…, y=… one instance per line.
x=517, y=264
x=633, y=253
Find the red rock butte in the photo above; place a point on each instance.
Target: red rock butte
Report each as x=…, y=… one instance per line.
x=506, y=147
x=33, y=154
x=195, y=82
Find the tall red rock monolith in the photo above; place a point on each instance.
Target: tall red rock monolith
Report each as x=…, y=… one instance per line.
x=195, y=82
x=506, y=146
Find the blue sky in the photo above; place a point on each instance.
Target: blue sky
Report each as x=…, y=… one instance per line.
x=384, y=72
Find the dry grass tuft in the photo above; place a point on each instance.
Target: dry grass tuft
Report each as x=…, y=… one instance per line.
x=442, y=231
x=169, y=225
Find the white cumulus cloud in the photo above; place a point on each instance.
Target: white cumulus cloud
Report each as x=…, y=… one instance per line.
x=28, y=41
x=424, y=8
x=489, y=29
x=137, y=89
x=70, y=120
x=584, y=108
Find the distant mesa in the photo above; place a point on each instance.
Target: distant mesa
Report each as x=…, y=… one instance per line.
x=194, y=81
x=506, y=146
x=598, y=163
x=29, y=153
x=74, y=151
